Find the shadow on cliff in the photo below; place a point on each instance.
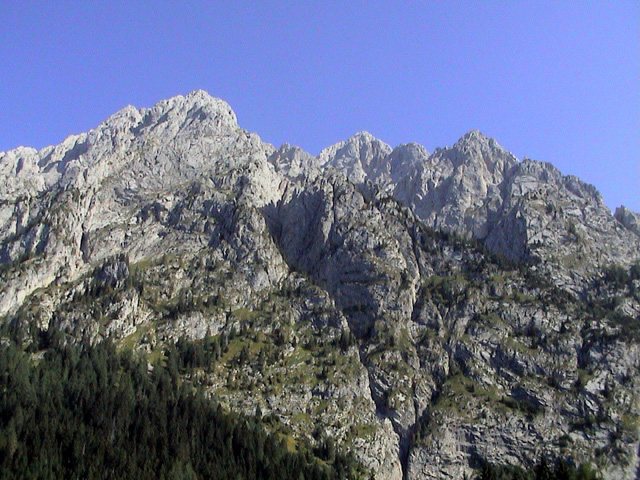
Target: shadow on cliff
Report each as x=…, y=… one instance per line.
x=312, y=240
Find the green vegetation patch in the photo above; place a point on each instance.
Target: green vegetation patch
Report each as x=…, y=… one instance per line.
x=91, y=412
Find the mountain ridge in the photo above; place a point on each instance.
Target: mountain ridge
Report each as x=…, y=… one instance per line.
x=392, y=297
x=200, y=98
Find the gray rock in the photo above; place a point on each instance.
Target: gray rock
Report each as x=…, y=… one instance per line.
x=629, y=219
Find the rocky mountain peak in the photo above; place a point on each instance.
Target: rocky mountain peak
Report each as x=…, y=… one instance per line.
x=128, y=114
x=476, y=147
x=357, y=157
x=82, y=157
x=198, y=112
x=359, y=146
x=474, y=136
x=197, y=109
x=363, y=137
x=198, y=103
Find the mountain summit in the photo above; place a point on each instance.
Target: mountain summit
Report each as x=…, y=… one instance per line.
x=427, y=312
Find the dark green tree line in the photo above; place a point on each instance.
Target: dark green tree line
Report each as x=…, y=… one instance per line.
x=91, y=412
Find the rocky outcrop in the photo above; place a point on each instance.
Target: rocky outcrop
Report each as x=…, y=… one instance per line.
x=628, y=218
x=524, y=210
x=361, y=296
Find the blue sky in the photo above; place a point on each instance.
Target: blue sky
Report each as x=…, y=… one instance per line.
x=554, y=81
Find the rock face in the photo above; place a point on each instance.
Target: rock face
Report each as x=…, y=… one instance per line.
x=427, y=312
x=628, y=218
x=522, y=210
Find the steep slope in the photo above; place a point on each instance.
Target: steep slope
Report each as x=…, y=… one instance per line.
x=350, y=312
x=90, y=197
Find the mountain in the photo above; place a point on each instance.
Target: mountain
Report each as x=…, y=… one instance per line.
x=427, y=312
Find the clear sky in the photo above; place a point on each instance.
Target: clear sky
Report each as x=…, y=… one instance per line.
x=556, y=81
